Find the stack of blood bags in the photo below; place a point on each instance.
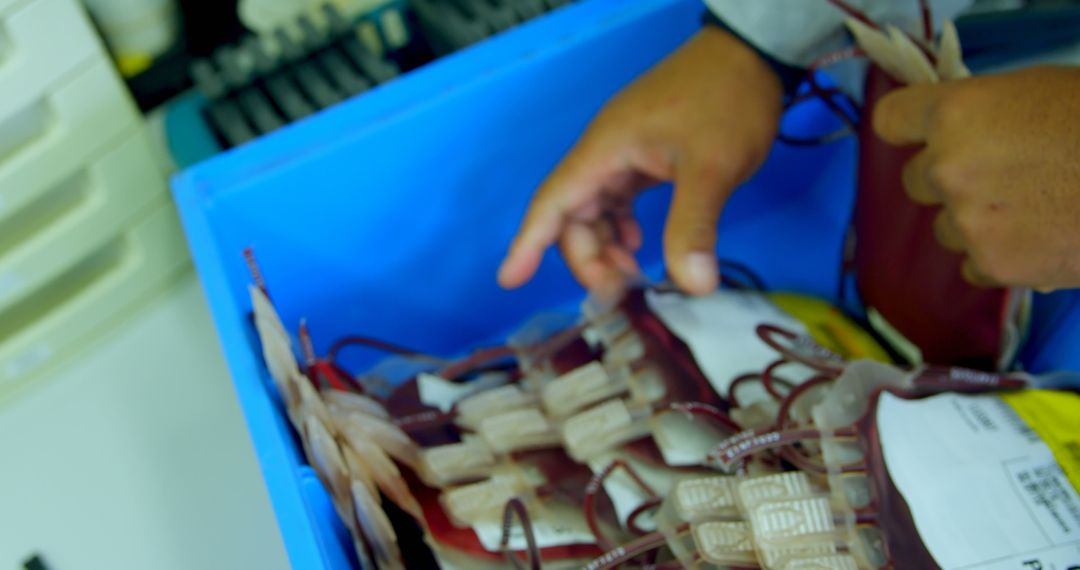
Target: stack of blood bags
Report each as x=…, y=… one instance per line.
x=554, y=451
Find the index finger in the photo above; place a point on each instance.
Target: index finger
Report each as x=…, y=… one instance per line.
x=903, y=117
x=575, y=181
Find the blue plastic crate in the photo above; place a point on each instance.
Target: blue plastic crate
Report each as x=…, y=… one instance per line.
x=388, y=215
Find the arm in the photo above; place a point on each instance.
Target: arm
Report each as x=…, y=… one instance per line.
x=795, y=32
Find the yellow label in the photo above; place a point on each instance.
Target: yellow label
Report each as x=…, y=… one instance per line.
x=830, y=327
x=1055, y=417
x=133, y=64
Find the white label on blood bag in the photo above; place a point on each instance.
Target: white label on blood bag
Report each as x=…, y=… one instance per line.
x=1064, y=557
x=625, y=494
x=719, y=329
x=553, y=525
x=982, y=487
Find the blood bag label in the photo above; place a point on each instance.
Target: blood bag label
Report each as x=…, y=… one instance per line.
x=556, y=525
x=984, y=489
x=1048, y=493
x=624, y=492
x=719, y=329
x=1055, y=417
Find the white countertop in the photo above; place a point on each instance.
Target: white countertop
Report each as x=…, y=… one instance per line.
x=136, y=455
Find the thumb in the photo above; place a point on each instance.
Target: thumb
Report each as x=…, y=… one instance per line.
x=701, y=188
x=904, y=116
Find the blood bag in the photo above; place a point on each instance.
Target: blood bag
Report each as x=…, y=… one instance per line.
x=950, y=481
x=619, y=428
x=511, y=451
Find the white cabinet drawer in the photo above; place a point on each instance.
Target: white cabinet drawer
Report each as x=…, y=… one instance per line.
x=52, y=138
x=40, y=43
x=74, y=309
x=75, y=217
x=6, y=5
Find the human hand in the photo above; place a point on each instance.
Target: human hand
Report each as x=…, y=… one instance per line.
x=705, y=118
x=1000, y=157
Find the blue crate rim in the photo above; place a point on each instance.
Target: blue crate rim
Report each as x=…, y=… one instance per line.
x=195, y=188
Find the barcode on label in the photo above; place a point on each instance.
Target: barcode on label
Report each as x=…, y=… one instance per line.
x=1016, y=422
x=1054, y=502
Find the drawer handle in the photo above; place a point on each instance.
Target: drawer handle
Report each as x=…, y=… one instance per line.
x=54, y=203
x=24, y=128
x=65, y=287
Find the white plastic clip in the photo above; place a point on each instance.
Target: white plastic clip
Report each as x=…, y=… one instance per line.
x=624, y=350
x=448, y=464
x=578, y=388
x=789, y=485
x=786, y=520
x=726, y=543
x=515, y=430
x=473, y=409
x=599, y=429
x=700, y=499
x=792, y=529
x=485, y=500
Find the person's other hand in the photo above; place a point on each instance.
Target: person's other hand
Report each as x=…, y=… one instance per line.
x=1002, y=159
x=705, y=118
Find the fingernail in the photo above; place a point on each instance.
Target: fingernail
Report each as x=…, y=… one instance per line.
x=701, y=272
x=500, y=275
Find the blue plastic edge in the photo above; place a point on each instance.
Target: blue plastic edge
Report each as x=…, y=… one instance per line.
x=193, y=190
x=477, y=64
